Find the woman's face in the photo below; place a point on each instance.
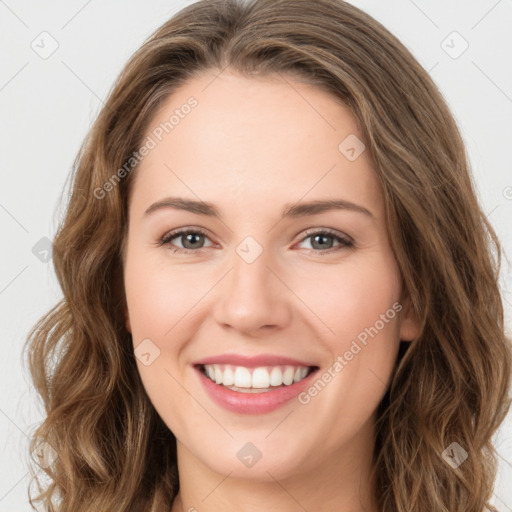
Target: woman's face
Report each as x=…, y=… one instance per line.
x=317, y=287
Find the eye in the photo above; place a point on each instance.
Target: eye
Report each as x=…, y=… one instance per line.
x=192, y=240
x=320, y=240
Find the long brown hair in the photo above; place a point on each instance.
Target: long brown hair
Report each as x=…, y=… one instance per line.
x=112, y=450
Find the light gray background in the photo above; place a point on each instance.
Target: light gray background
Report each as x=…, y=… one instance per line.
x=48, y=104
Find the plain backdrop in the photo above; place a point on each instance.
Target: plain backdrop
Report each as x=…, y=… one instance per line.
x=59, y=60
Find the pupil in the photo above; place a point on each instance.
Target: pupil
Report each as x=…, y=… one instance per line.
x=320, y=237
x=191, y=236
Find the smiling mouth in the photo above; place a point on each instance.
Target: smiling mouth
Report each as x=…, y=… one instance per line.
x=261, y=379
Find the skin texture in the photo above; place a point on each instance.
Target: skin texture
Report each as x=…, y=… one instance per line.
x=250, y=146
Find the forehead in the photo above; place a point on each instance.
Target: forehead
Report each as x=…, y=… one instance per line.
x=252, y=140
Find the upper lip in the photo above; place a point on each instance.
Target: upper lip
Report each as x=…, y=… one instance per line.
x=252, y=361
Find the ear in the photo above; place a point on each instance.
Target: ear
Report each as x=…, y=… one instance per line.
x=409, y=324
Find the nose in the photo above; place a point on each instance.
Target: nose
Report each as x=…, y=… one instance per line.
x=253, y=296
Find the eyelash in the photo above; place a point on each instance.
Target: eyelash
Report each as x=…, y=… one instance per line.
x=344, y=242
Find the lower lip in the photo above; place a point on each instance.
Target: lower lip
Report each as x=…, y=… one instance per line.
x=252, y=403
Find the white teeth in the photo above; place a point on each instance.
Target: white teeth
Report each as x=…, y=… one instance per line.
x=228, y=378
x=288, y=375
x=276, y=376
x=242, y=377
x=260, y=378
x=256, y=378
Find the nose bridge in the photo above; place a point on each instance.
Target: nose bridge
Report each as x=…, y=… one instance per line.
x=252, y=296
x=251, y=267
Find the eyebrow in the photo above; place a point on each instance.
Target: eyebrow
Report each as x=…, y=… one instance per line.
x=290, y=210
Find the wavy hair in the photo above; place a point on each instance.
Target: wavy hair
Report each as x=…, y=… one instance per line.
x=112, y=450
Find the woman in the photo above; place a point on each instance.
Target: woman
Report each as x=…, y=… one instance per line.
x=262, y=369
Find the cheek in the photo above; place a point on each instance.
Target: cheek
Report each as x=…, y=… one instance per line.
x=360, y=306
x=159, y=304
x=351, y=298
x=359, y=312
x=158, y=296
